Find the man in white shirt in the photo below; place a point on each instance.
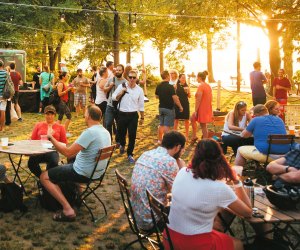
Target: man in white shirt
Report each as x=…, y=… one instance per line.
x=131, y=101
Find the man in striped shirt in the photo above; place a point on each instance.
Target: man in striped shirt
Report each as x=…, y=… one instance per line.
x=3, y=75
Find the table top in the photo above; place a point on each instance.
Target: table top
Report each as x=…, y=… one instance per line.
x=27, y=147
x=271, y=213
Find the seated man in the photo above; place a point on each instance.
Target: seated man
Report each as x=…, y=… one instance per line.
x=3, y=176
x=85, y=148
x=261, y=127
x=155, y=170
x=287, y=168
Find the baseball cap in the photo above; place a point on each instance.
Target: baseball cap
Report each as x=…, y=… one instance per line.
x=51, y=109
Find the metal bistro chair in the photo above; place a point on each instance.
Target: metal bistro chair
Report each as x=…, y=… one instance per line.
x=140, y=233
x=93, y=184
x=161, y=211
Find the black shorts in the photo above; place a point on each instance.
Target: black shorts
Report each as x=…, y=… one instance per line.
x=15, y=98
x=63, y=109
x=66, y=173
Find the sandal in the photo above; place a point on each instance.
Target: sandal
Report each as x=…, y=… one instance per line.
x=61, y=217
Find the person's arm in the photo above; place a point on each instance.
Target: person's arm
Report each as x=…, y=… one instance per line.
x=246, y=134
x=177, y=102
x=108, y=87
x=141, y=107
x=85, y=83
x=120, y=91
x=292, y=176
x=242, y=205
x=198, y=98
x=60, y=89
x=102, y=83
x=181, y=163
x=231, y=125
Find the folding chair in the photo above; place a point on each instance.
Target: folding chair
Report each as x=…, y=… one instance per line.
x=161, y=211
x=93, y=184
x=140, y=233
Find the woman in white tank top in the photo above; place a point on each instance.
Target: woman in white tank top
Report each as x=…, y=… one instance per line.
x=235, y=122
x=101, y=100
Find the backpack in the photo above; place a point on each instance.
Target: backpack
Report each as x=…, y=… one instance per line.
x=48, y=202
x=11, y=197
x=54, y=98
x=9, y=89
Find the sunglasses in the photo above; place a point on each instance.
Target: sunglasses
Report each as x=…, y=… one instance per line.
x=242, y=104
x=132, y=77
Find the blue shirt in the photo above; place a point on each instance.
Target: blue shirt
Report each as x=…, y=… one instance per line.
x=263, y=126
x=256, y=81
x=92, y=139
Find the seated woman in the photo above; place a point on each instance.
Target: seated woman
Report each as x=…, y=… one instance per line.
x=236, y=121
x=261, y=127
x=198, y=194
x=41, y=128
x=273, y=107
x=3, y=176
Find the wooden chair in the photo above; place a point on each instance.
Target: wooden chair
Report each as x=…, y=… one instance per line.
x=139, y=232
x=93, y=184
x=159, y=214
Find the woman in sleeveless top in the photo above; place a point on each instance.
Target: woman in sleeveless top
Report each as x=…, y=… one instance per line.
x=235, y=122
x=101, y=100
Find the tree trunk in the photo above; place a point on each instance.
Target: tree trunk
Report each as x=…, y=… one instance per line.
x=128, y=55
x=44, y=53
x=209, y=37
x=274, y=53
x=238, y=56
x=288, y=49
x=161, y=58
x=53, y=54
x=116, y=37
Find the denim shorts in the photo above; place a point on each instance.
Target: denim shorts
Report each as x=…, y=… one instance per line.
x=166, y=117
x=66, y=173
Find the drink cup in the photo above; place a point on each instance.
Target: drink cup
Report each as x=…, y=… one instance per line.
x=4, y=142
x=238, y=170
x=291, y=130
x=44, y=138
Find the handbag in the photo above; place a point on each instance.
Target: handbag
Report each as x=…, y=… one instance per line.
x=46, y=88
x=13, y=113
x=8, y=90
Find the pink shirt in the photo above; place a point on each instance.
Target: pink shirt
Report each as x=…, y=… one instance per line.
x=41, y=128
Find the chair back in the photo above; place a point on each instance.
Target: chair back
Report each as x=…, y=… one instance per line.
x=161, y=211
x=279, y=140
x=125, y=194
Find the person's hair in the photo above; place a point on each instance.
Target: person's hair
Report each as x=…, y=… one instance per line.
x=209, y=161
x=12, y=66
x=62, y=75
x=46, y=68
x=94, y=68
x=1, y=63
x=164, y=74
x=173, y=71
x=237, y=107
x=127, y=69
x=79, y=70
x=122, y=66
x=109, y=63
x=180, y=75
x=259, y=110
x=102, y=71
x=173, y=139
x=132, y=72
x=94, y=112
x=270, y=105
x=256, y=65
x=202, y=75
x=283, y=71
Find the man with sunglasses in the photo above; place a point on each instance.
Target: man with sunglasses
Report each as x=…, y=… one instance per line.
x=131, y=101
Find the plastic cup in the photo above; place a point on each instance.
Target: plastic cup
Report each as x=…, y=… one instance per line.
x=44, y=138
x=238, y=170
x=291, y=130
x=4, y=142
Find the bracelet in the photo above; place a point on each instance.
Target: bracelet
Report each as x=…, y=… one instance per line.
x=238, y=185
x=49, y=138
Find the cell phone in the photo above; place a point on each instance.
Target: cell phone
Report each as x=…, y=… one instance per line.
x=257, y=215
x=10, y=144
x=123, y=85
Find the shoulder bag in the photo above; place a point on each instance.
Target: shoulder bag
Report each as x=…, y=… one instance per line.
x=8, y=90
x=46, y=88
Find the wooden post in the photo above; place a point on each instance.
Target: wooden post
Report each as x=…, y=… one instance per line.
x=219, y=96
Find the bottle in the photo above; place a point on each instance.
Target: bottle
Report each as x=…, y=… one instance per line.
x=249, y=188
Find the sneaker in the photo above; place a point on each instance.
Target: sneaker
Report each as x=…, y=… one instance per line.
x=68, y=134
x=131, y=159
x=122, y=149
x=20, y=119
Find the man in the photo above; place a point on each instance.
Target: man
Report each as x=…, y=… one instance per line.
x=167, y=97
x=287, y=168
x=85, y=148
x=3, y=102
x=131, y=101
x=281, y=86
x=110, y=68
x=36, y=85
x=257, y=79
x=155, y=170
x=261, y=127
x=81, y=83
x=111, y=85
x=3, y=176
x=17, y=80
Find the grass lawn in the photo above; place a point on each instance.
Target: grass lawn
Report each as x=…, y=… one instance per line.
x=36, y=230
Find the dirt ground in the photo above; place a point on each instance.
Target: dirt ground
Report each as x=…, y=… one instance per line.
x=36, y=230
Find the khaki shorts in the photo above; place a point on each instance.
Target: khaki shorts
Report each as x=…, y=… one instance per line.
x=251, y=153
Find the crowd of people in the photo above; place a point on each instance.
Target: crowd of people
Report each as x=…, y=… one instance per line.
x=119, y=101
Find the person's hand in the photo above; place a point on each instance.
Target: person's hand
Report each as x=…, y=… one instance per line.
x=181, y=109
x=141, y=122
x=180, y=163
x=111, y=84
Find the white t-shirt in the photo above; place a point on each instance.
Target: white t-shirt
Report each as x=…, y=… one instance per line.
x=196, y=202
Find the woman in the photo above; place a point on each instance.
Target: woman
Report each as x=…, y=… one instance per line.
x=235, y=122
x=127, y=69
x=273, y=107
x=101, y=100
x=41, y=128
x=46, y=82
x=192, y=213
x=203, y=107
x=183, y=92
x=63, y=92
